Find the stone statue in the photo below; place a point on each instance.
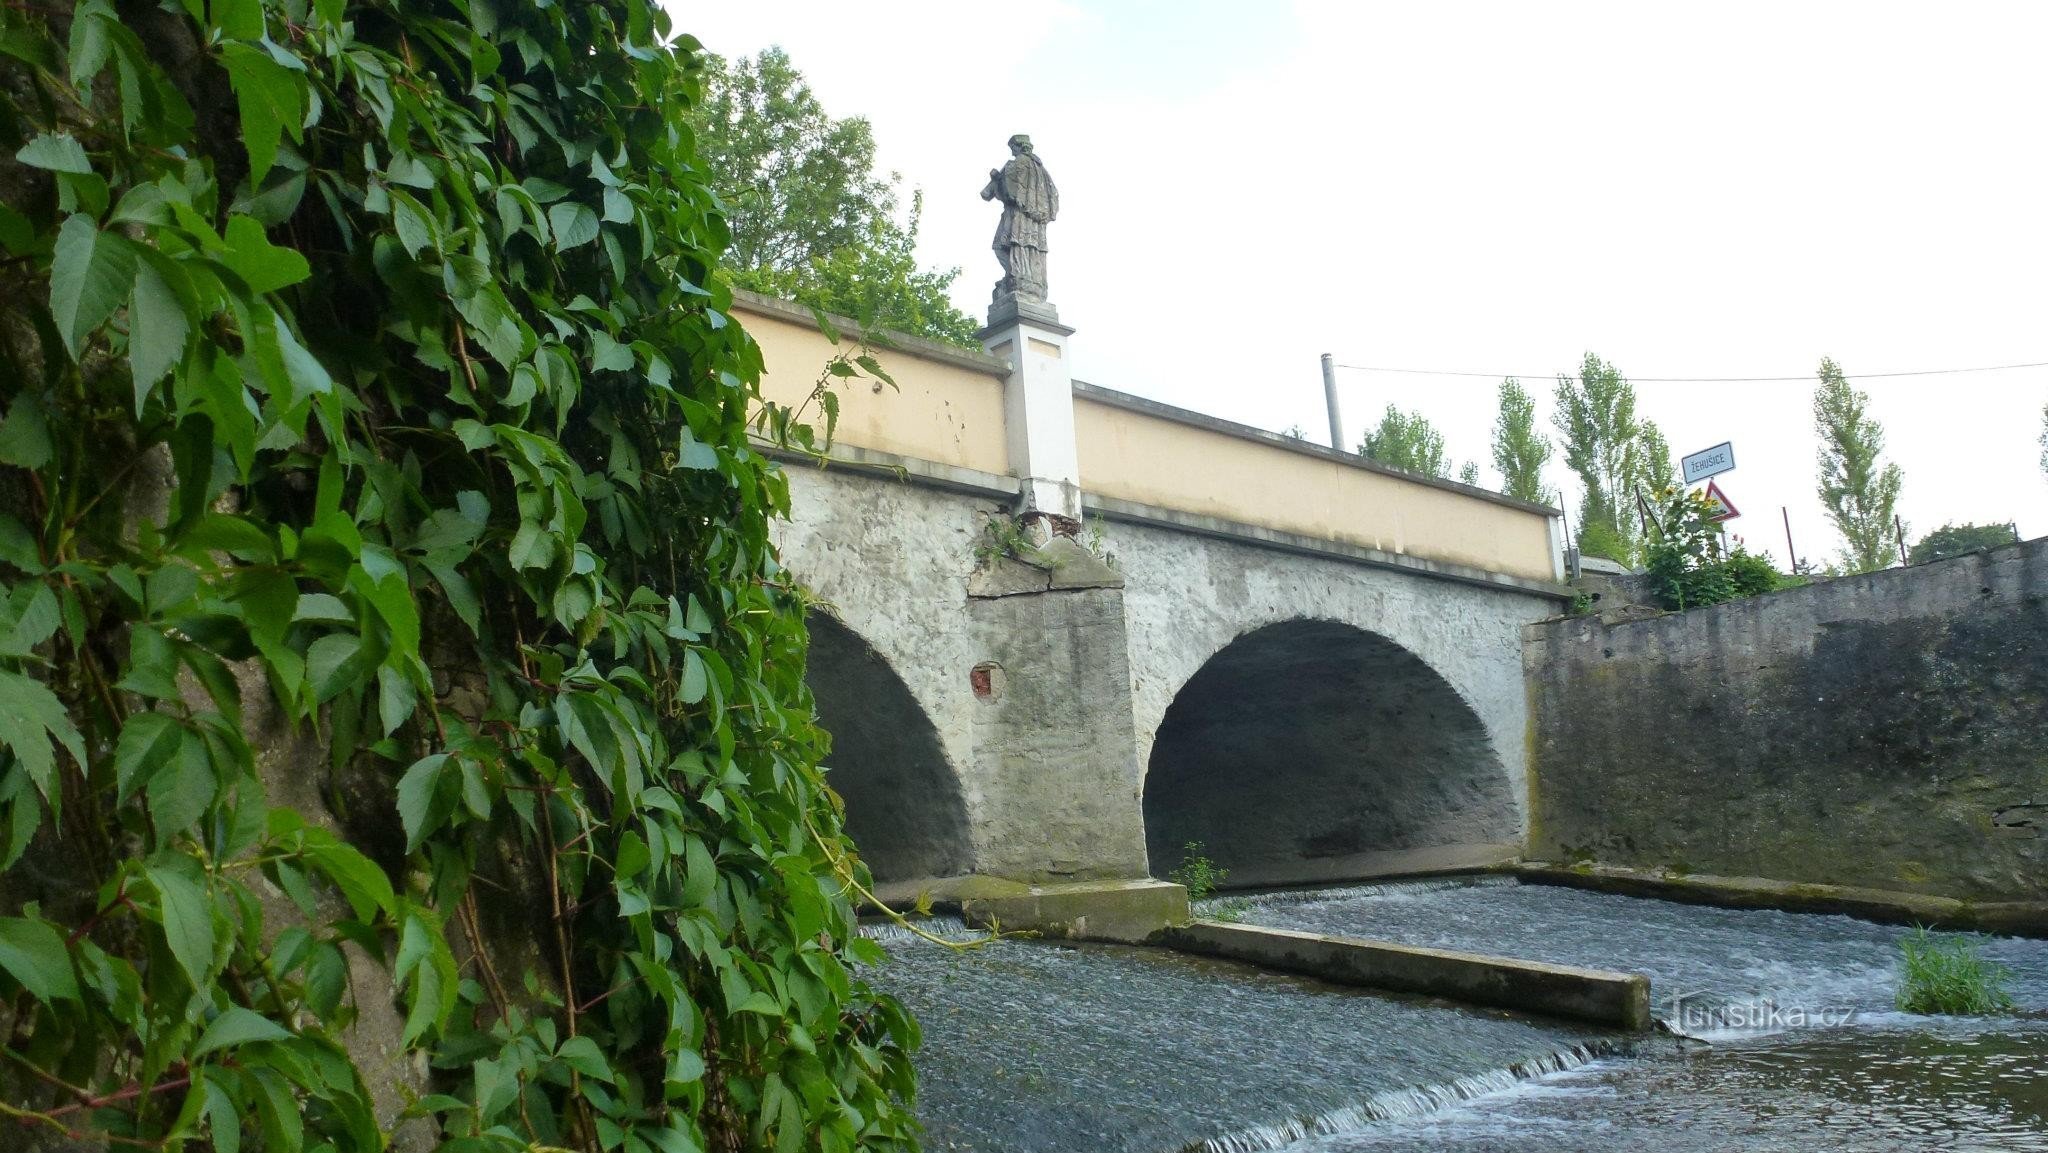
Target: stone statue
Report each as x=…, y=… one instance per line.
x=1030, y=202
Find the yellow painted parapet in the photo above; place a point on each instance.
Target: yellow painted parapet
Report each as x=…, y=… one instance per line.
x=1149, y=453
x=948, y=409
x=947, y=405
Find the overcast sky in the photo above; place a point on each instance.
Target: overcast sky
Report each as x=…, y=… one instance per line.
x=1689, y=190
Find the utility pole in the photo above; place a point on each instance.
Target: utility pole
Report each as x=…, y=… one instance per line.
x=1330, y=399
x=1791, y=554
x=1899, y=527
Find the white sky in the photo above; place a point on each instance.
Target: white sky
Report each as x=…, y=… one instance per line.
x=1695, y=190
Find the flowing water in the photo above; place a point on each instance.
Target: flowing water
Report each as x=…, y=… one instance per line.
x=1044, y=1048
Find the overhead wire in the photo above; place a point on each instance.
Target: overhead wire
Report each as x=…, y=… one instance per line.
x=1692, y=379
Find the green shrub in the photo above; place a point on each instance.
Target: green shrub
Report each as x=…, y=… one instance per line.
x=1946, y=974
x=1601, y=540
x=1196, y=873
x=1686, y=563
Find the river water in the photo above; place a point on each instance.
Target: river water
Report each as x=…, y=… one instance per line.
x=1045, y=1048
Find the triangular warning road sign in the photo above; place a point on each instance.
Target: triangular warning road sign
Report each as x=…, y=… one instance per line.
x=1721, y=501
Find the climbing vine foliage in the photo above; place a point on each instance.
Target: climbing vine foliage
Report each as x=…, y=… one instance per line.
x=402, y=726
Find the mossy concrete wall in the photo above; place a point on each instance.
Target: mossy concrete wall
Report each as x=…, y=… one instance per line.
x=1888, y=731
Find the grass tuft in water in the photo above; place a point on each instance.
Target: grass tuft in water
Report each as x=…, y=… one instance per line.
x=1232, y=910
x=1945, y=974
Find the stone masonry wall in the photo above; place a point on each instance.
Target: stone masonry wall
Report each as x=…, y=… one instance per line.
x=1887, y=730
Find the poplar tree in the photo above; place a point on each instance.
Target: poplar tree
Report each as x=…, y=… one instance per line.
x=1653, y=461
x=1519, y=451
x=1858, y=488
x=2044, y=438
x=1596, y=416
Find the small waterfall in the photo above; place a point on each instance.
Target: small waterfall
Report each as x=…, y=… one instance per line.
x=887, y=932
x=1412, y=1102
x=1379, y=891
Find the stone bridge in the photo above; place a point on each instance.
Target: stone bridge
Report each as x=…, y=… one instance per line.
x=1308, y=663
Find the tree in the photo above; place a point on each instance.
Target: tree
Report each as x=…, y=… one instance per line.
x=2044, y=438
x=1469, y=474
x=1653, y=472
x=1956, y=539
x=1859, y=490
x=810, y=218
x=1407, y=441
x=1519, y=451
x=1596, y=416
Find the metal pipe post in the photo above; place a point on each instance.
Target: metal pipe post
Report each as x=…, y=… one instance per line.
x=1330, y=399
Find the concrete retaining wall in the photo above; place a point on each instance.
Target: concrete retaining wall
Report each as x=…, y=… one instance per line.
x=1619, y=1000
x=1887, y=731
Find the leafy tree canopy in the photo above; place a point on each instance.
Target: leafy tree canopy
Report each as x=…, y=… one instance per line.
x=1956, y=539
x=810, y=218
x=1857, y=487
x=1407, y=441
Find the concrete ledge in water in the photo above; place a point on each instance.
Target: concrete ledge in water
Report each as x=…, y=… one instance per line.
x=1885, y=906
x=1124, y=911
x=1618, y=1000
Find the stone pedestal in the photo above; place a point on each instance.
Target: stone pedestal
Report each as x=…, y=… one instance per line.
x=1038, y=405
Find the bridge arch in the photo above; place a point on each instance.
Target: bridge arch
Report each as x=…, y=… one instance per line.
x=1314, y=750
x=904, y=807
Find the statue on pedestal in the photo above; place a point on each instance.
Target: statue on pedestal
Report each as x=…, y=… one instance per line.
x=1030, y=202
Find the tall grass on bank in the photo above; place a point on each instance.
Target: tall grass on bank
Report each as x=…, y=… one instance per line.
x=1945, y=974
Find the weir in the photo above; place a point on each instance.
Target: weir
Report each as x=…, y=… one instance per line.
x=1050, y=1047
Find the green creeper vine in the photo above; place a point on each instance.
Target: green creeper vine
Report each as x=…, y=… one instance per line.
x=386, y=589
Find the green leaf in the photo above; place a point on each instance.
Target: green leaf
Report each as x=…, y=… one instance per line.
x=497, y=1086
x=574, y=224
x=495, y=325
x=31, y=717
x=272, y=101
x=421, y=803
x=25, y=434
x=91, y=273
x=695, y=679
x=414, y=225
x=583, y=1055
x=694, y=453
x=148, y=741
x=264, y=266
x=238, y=1026
x=55, y=152
x=33, y=954
x=396, y=698
x=362, y=883
x=700, y=873
x=427, y=970
x=223, y=1123
x=334, y=665
x=182, y=790
x=684, y=1066
x=158, y=327
x=671, y=1140
x=187, y=912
